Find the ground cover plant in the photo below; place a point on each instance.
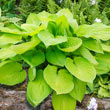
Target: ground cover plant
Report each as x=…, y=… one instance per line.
x=62, y=57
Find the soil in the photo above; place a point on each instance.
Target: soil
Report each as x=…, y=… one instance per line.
x=14, y=98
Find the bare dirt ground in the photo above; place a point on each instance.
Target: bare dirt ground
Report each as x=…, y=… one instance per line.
x=14, y=98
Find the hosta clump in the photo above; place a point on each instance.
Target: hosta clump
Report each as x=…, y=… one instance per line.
x=62, y=57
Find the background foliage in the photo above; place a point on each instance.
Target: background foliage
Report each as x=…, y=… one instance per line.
x=82, y=10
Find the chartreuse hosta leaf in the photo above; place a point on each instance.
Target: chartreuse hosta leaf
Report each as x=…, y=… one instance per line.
x=23, y=47
x=32, y=73
x=63, y=102
x=62, y=25
x=81, y=69
x=33, y=19
x=45, y=17
x=93, y=45
x=31, y=29
x=55, y=56
x=96, y=31
x=102, y=67
x=55, y=79
x=66, y=13
x=32, y=25
x=71, y=45
x=104, y=57
x=72, y=22
x=79, y=89
x=105, y=47
x=49, y=39
x=34, y=57
x=37, y=90
x=6, y=53
x=11, y=73
x=12, y=29
x=52, y=28
x=6, y=39
x=87, y=54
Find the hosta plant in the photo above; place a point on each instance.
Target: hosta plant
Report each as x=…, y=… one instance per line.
x=62, y=57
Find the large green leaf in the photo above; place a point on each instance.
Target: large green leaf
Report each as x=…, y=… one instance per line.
x=56, y=79
x=104, y=57
x=32, y=25
x=87, y=54
x=81, y=68
x=38, y=89
x=66, y=13
x=34, y=57
x=33, y=19
x=63, y=102
x=52, y=27
x=71, y=45
x=32, y=29
x=29, y=28
x=96, y=31
x=44, y=17
x=11, y=28
x=102, y=67
x=73, y=23
x=23, y=47
x=6, y=53
x=62, y=25
x=55, y=56
x=32, y=73
x=11, y=73
x=105, y=47
x=48, y=39
x=79, y=89
x=9, y=39
x=93, y=45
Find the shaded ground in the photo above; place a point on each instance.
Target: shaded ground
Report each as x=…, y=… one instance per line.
x=13, y=98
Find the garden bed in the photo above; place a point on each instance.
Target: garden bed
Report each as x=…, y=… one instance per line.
x=14, y=98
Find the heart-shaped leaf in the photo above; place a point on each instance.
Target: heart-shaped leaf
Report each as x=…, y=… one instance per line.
x=34, y=57
x=93, y=45
x=87, y=54
x=11, y=73
x=22, y=48
x=32, y=73
x=38, y=89
x=63, y=102
x=104, y=57
x=49, y=39
x=55, y=56
x=81, y=68
x=79, y=89
x=102, y=67
x=97, y=31
x=55, y=80
x=71, y=45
